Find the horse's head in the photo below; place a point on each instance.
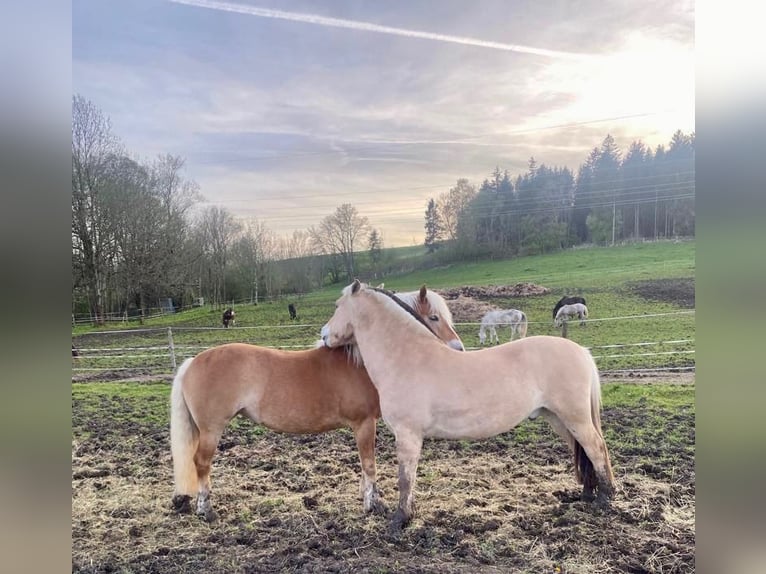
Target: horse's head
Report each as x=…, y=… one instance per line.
x=432, y=308
x=426, y=306
x=339, y=329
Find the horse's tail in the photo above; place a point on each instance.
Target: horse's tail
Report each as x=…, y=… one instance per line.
x=583, y=465
x=184, y=437
x=523, y=325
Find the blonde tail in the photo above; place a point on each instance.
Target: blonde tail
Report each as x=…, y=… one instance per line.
x=595, y=410
x=184, y=438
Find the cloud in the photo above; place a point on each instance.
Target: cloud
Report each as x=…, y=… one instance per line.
x=376, y=28
x=285, y=121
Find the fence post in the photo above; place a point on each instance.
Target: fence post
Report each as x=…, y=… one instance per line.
x=564, y=329
x=172, y=350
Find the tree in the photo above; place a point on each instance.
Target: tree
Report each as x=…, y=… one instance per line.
x=375, y=247
x=93, y=148
x=452, y=204
x=433, y=225
x=216, y=233
x=338, y=233
x=633, y=194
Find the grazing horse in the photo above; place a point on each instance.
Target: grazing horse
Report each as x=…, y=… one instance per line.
x=299, y=392
x=567, y=312
x=566, y=301
x=494, y=319
x=228, y=318
x=428, y=390
x=292, y=311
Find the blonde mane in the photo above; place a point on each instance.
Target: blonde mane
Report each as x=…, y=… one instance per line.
x=434, y=300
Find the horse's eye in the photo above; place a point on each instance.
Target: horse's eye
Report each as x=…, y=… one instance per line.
x=434, y=317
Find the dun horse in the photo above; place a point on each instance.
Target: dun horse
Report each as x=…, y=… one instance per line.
x=428, y=390
x=288, y=391
x=494, y=319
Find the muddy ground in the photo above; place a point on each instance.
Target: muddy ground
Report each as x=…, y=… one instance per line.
x=676, y=291
x=290, y=503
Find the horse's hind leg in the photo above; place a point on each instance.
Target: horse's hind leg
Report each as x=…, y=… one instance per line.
x=208, y=442
x=595, y=468
x=408, y=446
x=365, y=443
x=583, y=467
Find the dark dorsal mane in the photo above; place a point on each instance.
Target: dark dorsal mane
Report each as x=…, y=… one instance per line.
x=404, y=306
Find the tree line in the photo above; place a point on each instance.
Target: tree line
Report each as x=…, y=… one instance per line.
x=645, y=194
x=140, y=236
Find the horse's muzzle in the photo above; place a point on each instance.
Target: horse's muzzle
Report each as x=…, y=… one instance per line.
x=456, y=344
x=324, y=333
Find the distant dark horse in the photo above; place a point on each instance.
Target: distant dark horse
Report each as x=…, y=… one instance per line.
x=293, y=313
x=228, y=318
x=566, y=301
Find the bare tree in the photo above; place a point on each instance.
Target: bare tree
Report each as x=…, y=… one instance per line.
x=176, y=195
x=216, y=232
x=93, y=148
x=452, y=204
x=253, y=254
x=338, y=233
x=298, y=245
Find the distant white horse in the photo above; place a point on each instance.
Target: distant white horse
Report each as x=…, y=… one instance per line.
x=494, y=319
x=569, y=312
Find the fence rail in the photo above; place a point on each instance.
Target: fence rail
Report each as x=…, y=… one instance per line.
x=158, y=351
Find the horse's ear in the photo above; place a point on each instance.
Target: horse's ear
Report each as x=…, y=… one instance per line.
x=381, y=286
x=423, y=294
x=355, y=286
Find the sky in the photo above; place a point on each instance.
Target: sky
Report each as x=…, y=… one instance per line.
x=285, y=110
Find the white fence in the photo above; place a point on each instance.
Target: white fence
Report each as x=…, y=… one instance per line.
x=124, y=353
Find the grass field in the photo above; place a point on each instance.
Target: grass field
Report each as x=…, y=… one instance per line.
x=509, y=504
x=626, y=281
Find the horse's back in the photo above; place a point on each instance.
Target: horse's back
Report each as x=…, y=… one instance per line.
x=547, y=356
x=292, y=391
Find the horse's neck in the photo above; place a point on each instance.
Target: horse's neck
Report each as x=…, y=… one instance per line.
x=384, y=333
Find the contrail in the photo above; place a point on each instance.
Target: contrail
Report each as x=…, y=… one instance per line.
x=369, y=27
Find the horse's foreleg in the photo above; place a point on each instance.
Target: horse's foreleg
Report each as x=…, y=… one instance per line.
x=365, y=443
x=408, y=446
x=208, y=442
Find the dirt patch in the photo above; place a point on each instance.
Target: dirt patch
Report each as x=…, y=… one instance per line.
x=679, y=292
x=467, y=309
x=468, y=304
x=290, y=503
x=492, y=291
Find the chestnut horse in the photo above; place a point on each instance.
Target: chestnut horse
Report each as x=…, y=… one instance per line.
x=429, y=390
x=299, y=392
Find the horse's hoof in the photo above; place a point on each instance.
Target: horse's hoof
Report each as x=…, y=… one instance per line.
x=209, y=515
x=378, y=507
x=182, y=504
x=588, y=496
x=603, y=500
x=398, y=522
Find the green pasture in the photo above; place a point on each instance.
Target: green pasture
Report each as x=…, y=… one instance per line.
x=606, y=276
x=94, y=402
